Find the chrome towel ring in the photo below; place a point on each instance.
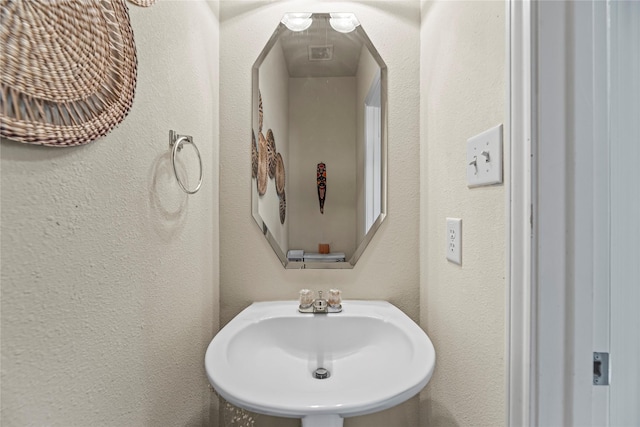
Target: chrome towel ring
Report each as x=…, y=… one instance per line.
x=177, y=141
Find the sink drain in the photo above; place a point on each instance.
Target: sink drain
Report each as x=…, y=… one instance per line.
x=321, y=373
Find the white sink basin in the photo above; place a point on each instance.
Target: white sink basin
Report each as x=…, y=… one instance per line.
x=264, y=360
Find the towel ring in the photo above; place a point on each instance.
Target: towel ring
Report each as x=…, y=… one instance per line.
x=177, y=141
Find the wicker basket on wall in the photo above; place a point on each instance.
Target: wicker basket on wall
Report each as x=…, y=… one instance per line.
x=68, y=70
x=143, y=3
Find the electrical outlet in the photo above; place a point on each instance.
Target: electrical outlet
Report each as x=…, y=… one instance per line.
x=454, y=240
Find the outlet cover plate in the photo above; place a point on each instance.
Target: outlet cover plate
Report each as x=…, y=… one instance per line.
x=484, y=158
x=454, y=240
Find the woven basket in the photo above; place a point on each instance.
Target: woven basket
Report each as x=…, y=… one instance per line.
x=263, y=165
x=271, y=154
x=68, y=70
x=280, y=174
x=143, y=3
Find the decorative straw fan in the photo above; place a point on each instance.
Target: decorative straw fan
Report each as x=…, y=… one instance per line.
x=280, y=174
x=271, y=154
x=262, y=165
x=68, y=70
x=283, y=207
x=143, y=3
x=254, y=156
x=260, y=112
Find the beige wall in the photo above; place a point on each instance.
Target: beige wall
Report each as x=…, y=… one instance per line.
x=249, y=270
x=462, y=92
x=109, y=271
x=322, y=117
x=110, y=274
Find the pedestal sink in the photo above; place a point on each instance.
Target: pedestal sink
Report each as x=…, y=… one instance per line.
x=267, y=360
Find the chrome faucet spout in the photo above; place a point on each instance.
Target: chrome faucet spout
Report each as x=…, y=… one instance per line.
x=320, y=306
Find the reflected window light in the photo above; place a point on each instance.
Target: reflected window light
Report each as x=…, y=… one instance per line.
x=297, y=21
x=344, y=22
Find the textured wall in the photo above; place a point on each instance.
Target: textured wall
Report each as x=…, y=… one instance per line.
x=249, y=270
x=462, y=307
x=109, y=271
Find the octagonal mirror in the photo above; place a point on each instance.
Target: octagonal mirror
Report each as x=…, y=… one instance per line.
x=318, y=146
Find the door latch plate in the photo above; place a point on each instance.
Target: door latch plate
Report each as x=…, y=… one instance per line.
x=600, y=368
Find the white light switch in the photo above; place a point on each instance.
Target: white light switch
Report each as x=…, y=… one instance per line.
x=454, y=240
x=484, y=158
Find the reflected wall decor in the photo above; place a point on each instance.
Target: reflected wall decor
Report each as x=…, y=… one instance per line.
x=322, y=184
x=312, y=85
x=267, y=163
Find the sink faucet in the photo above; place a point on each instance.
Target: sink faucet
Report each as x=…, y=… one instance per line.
x=320, y=305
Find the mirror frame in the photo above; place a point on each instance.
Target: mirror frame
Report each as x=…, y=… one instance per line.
x=362, y=245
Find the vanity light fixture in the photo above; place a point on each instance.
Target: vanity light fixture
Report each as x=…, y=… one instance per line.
x=297, y=21
x=343, y=22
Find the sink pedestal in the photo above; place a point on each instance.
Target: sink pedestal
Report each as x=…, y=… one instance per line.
x=322, y=421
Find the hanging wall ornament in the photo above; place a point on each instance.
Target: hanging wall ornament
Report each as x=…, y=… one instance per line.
x=283, y=207
x=280, y=175
x=322, y=184
x=262, y=165
x=271, y=153
x=68, y=70
x=260, y=112
x=254, y=156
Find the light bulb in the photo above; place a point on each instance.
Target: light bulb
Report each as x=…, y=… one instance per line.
x=343, y=22
x=297, y=21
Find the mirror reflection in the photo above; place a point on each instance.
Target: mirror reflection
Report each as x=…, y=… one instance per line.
x=318, y=149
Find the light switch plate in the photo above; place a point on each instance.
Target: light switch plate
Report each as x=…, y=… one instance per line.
x=454, y=240
x=484, y=158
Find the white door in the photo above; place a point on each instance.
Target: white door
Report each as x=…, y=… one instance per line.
x=616, y=303
x=616, y=211
x=585, y=294
x=624, y=184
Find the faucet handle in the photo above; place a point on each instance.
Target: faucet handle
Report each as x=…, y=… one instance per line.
x=335, y=299
x=306, y=298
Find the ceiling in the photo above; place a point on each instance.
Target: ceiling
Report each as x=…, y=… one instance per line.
x=345, y=49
